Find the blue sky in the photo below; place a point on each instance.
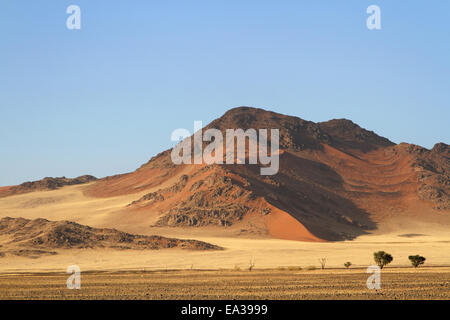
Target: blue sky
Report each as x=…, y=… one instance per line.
x=104, y=99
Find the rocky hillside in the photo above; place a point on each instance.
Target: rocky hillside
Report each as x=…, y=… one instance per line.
x=336, y=178
x=336, y=181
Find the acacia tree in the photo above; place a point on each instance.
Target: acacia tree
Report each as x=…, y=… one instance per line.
x=347, y=264
x=382, y=258
x=416, y=260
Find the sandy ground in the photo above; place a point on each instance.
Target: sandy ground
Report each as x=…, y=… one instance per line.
x=68, y=203
x=396, y=283
x=266, y=253
x=139, y=274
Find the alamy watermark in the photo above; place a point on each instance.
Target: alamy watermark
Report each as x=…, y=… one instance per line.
x=373, y=22
x=74, y=280
x=233, y=148
x=73, y=22
x=374, y=281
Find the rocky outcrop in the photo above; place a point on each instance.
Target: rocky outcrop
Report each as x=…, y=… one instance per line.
x=46, y=184
x=37, y=237
x=433, y=173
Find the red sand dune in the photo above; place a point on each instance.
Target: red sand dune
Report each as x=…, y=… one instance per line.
x=282, y=225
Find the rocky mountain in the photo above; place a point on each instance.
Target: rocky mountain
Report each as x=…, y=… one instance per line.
x=336, y=181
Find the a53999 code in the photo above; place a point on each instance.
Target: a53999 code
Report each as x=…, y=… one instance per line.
x=248, y=309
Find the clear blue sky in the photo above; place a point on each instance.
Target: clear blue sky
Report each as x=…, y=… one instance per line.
x=104, y=99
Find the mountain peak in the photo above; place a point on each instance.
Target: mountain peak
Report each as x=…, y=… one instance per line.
x=296, y=133
x=348, y=135
x=442, y=148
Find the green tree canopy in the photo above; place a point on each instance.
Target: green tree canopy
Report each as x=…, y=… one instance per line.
x=416, y=260
x=382, y=258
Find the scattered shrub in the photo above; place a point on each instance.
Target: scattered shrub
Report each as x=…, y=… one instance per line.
x=416, y=260
x=382, y=258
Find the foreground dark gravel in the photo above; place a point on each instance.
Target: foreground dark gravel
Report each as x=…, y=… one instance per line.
x=407, y=283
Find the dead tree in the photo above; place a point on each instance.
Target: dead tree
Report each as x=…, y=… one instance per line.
x=323, y=262
x=251, y=264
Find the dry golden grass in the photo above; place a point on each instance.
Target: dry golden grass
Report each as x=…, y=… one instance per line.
x=397, y=283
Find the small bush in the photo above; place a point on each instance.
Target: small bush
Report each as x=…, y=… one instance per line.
x=347, y=264
x=311, y=268
x=416, y=260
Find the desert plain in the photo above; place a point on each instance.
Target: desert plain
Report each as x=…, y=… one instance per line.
x=280, y=284
x=282, y=269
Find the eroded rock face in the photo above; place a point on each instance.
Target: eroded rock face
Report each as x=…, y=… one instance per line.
x=207, y=201
x=442, y=149
x=223, y=216
x=433, y=173
x=159, y=195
